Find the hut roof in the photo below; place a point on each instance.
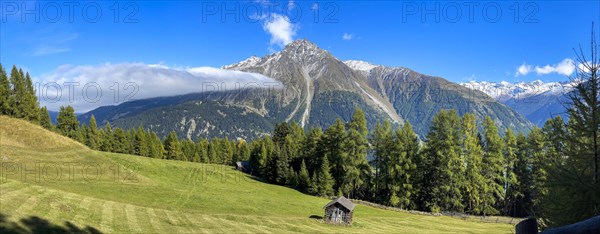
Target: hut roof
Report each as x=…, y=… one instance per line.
x=342, y=201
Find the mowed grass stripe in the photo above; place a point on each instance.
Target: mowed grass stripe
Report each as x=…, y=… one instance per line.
x=107, y=220
x=144, y=220
x=172, y=224
x=83, y=211
x=12, y=201
x=199, y=227
x=132, y=220
x=155, y=221
x=249, y=224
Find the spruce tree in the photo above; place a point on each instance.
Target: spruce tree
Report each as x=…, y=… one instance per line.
x=17, y=93
x=66, y=122
x=472, y=153
x=108, y=141
x=172, y=147
x=5, y=92
x=30, y=102
x=382, y=146
x=120, y=142
x=334, y=149
x=303, y=178
x=93, y=140
x=324, y=180
x=141, y=144
x=356, y=147
x=511, y=179
x=156, y=147
x=574, y=186
x=493, y=169
x=45, y=120
x=443, y=176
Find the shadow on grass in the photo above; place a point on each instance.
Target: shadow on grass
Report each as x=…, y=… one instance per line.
x=34, y=224
x=317, y=217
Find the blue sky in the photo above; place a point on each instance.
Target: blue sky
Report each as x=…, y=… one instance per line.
x=484, y=46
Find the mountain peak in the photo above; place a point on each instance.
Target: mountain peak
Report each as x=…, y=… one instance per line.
x=303, y=48
x=360, y=65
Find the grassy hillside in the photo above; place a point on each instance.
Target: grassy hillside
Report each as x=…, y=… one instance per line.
x=48, y=180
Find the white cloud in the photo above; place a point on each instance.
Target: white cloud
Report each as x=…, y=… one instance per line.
x=565, y=67
x=524, y=69
x=154, y=80
x=348, y=36
x=47, y=50
x=280, y=28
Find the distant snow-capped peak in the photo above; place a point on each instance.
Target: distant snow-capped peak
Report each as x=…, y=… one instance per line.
x=503, y=90
x=249, y=62
x=360, y=65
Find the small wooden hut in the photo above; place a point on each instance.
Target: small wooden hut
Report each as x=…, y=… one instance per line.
x=339, y=211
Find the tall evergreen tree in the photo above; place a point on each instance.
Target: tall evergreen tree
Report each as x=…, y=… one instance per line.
x=45, y=120
x=93, y=138
x=30, y=102
x=66, y=122
x=17, y=93
x=356, y=147
x=443, y=164
x=173, y=147
x=334, y=149
x=323, y=180
x=121, y=143
x=472, y=153
x=492, y=165
x=5, y=93
x=141, y=144
x=108, y=139
x=382, y=141
x=303, y=178
x=574, y=186
x=511, y=179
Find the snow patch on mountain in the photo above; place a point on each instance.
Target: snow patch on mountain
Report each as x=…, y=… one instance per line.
x=503, y=90
x=360, y=65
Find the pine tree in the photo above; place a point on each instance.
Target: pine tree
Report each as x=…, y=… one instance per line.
x=17, y=93
x=493, y=169
x=334, y=143
x=66, y=122
x=93, y=138
x=443, y=176
x=141, y=144
x=383, y=146
x=536, y=147
x=412, y=148
x=511, y=179
x=5, y=92
x=156, y=147
x=522, y=205
x=303, y=178
x=401, y=166
x=173, y=147
x=120, y=142
x=356, y=147
x=311, y=149
x=45, y=120
x=574, y=186
x=472, y=153
x=108, y=139
x=30, y=102
x=323, y=179
x=202, y=150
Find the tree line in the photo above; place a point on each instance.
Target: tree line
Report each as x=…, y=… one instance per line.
x=551, y=173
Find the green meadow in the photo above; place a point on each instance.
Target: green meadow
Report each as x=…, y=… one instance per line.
x=58, y=182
